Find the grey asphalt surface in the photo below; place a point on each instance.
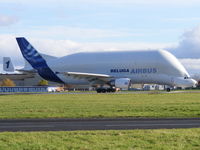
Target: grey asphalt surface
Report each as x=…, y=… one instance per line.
x=96, y=124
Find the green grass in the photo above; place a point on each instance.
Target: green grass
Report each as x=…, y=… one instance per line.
x=100, y=105
x=176, y=139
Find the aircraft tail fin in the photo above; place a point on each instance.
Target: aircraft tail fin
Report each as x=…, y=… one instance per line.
x=36, y=60
x=31, y=54
x=48, y=58
x=7, y=64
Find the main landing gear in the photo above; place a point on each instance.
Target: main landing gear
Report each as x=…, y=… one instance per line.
x=168, y=89
x=105, y=90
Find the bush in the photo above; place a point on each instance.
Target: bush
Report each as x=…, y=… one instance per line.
x=43, y=83
x=7, y=82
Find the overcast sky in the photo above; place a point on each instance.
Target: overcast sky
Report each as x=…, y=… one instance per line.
x=61, y=27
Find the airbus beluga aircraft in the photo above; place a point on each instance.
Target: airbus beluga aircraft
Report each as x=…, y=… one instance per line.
x=109, y=70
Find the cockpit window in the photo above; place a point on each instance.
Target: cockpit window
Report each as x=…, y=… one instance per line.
x=186, y=77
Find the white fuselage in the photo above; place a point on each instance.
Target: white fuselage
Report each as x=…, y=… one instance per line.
x=156, y=66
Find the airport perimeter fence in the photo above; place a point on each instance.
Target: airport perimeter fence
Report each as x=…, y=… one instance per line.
x=22, y=89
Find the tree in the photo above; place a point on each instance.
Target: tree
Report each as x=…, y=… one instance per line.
x=7, y=82
x=43, y=83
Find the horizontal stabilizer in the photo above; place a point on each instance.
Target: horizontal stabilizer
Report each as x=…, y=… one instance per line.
x=33, y=71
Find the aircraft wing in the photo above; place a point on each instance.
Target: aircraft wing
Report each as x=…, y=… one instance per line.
x=89, y=76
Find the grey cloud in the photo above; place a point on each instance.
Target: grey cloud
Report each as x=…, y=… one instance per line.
x=189, y=45
x=9, y=48
x=7, y=20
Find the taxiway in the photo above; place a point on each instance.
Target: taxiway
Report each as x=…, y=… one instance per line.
x=96, y=124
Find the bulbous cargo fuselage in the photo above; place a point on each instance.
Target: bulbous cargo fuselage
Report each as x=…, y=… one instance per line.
x=153, y=66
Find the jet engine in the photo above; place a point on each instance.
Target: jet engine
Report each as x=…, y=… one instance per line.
x=123, y=83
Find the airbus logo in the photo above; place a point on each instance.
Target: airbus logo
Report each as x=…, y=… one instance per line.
x=144, y=70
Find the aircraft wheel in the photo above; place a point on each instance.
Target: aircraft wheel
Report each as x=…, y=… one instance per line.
x=98, y=90
x=103, y=90
x=108, y=90
x=168, y=89
x=113, y=90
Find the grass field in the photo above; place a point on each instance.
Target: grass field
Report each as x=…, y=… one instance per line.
x=176, y=139
x=100, y=105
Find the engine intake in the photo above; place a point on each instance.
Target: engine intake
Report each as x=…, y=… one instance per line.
x=123, y=83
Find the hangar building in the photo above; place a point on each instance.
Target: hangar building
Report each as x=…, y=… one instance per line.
x=24, y=79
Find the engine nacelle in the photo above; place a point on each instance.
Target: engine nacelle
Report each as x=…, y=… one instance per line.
x=123, y=83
